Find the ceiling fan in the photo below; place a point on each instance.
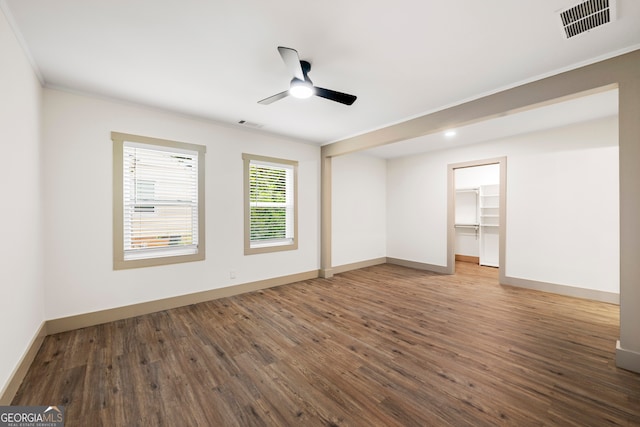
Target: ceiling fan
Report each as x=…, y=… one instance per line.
x=301, y=85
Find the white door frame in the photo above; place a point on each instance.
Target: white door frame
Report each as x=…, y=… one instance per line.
x=451, y=197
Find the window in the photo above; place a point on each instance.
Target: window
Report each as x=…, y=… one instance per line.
x=158, y=201
x=270, y=204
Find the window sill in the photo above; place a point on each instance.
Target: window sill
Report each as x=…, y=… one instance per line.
x=270, y=247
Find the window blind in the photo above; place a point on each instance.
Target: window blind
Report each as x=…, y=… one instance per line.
x=271, y=201
x=160, y=195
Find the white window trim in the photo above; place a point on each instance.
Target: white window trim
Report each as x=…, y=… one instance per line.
x=271, y=246
x=119, y=261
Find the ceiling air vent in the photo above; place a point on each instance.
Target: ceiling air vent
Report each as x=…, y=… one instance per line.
x=587, y=16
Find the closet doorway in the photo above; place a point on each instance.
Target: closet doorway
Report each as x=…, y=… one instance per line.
x=477, y=212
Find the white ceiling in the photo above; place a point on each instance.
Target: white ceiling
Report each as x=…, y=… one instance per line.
x=216, y=58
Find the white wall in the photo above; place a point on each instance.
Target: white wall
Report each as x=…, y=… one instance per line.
x=78, y=205
x=21, y=285
x=358, y=208
x=562, y=204
x=476, y=176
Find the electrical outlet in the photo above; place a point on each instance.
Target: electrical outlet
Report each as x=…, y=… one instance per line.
x=232, y=275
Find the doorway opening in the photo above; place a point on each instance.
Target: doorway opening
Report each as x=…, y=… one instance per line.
x=477, y=213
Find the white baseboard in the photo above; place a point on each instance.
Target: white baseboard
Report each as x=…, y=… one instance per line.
x=357, y=265
x=572, y=291
x=627, y=359
x=15, y=379
x=440, y=269
x=103, y=316
x=325, y=273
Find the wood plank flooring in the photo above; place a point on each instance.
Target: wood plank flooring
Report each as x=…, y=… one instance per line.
x=381, y=346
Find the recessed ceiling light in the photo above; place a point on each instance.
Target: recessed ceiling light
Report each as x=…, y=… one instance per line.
x=450, y=133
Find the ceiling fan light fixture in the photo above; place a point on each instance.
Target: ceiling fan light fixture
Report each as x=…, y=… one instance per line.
x=301, y=89
x=301, y=86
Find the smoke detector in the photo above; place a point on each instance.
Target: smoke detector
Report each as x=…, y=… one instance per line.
x=586, y=16
x=250, y=124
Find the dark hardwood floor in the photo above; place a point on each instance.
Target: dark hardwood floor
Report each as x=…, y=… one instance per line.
x=381, y=346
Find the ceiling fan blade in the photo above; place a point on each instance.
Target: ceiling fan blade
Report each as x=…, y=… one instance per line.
x=274, y=98
x=292, y=61
x=343, y=98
